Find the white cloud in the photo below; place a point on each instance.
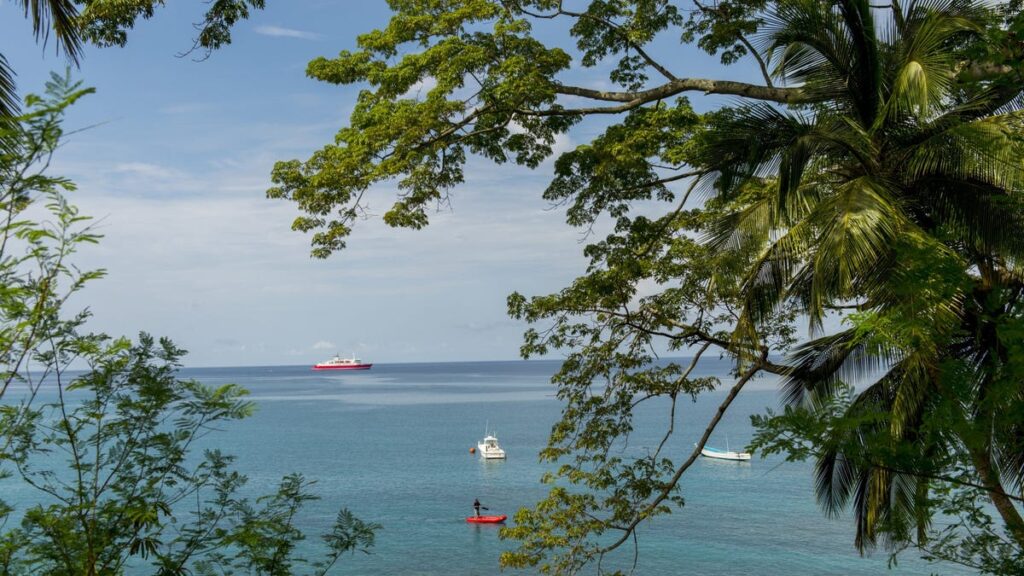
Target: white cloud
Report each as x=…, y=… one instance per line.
x=563, y=142
x=421, y=88
x=145, y=169
x=227, y=267
x=196, y=252
x=281, y=32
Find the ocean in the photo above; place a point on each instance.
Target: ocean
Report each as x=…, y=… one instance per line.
x=392, y=444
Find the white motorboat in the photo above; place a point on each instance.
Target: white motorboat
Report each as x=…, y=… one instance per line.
x=727, y=454
x=489, y=449
x=724, y=454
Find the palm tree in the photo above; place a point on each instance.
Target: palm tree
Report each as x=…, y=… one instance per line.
x=56, y=16
x=898, y=198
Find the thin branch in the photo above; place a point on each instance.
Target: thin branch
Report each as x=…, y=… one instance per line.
x=671, y=484
x=665, y=180
x=672, y=415
x=760, y=61
x=717, y=13
x=668, y=219
x=610, y=25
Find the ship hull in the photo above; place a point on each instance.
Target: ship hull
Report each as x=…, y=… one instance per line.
x=350, y=367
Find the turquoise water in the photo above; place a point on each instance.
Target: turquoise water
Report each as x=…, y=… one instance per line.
x=392, y=444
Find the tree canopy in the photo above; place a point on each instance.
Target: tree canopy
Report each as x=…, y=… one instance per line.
x=872, y=172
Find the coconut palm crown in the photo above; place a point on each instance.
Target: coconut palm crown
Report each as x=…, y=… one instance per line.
x=896, y=200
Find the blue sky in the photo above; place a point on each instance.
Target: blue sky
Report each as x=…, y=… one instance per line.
x=176, y=170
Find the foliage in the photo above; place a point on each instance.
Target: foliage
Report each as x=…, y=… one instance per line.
x=963, y=531
x=873, y=174
x=131, y=493
x=107, y=22
x=900, y=196
x=111, y=457
x=36, y=273
x=611, y=330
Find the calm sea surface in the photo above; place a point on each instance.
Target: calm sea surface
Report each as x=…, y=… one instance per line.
x=392, y=444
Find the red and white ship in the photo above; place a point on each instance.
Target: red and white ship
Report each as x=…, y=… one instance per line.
x=339, y=363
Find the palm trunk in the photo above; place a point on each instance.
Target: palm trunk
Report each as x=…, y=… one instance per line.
x=1004, y=505
x=980, y=452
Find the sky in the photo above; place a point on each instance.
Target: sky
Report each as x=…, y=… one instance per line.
x=175, y=164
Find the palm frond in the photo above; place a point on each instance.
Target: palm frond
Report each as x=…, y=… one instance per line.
x=840, y=472
x=835, y=480
x=976, y=213
x=749, y=142
x=810, y=47
x=912, y=391
x=767, y=283
x=58, y=16
x=1009, y=447
x=819, y=366
x=858, y=225
x=749, y=225
x=886, y=499
x=925, y=75
x=8, y=90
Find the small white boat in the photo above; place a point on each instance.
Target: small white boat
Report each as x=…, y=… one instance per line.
x=489, y=449
x=726, y=454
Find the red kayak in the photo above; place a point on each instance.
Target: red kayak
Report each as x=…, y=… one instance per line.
x=486, y=519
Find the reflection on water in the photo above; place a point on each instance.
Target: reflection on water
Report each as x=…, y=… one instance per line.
x=491, y=469
x=407, y=398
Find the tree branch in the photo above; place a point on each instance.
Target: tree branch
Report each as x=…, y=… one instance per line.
x=671, y=484
x=612, y=26
x=632, y=99
x=717, y=13
x=760, y=61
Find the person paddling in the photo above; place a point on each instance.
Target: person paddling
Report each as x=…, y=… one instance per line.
x=477, y=506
